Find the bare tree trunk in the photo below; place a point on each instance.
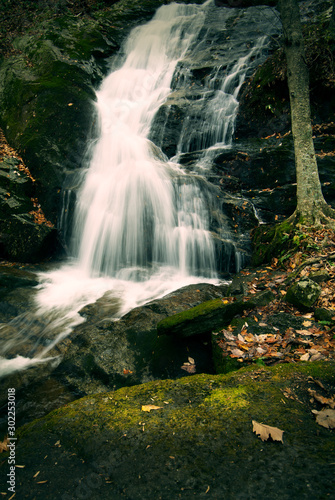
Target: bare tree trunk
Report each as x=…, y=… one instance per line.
x=311, y=205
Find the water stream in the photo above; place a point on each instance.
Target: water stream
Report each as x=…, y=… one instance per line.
x=141, y=222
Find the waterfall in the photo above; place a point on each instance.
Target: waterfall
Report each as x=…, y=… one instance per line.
x=142, y=222
x=133, y=213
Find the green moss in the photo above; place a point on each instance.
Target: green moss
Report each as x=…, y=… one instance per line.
x=272, y=241
x=231, y=398
x=202, y=431
x=188, y=315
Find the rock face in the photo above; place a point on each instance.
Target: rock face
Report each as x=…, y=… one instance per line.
x=25, y=233
x=196, y=440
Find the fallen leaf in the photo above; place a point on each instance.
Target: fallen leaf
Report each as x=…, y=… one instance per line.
x=307, y=323
x=3, y=445
x=266, y=432
x=321, y=399
x=304, y=332
x=237, y=353
x=228, y=336
x=188, y=367
x=127, y=372
x=150, y=407
x=325, y=418
x=304, y=357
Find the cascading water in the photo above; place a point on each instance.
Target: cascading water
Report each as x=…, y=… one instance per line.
x=141, y=223
x=131, y=215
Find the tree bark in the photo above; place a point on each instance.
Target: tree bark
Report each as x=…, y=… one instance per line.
x=311, y=205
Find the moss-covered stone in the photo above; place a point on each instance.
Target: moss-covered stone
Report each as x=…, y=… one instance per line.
x=270, y=241
x=209, y=316
x=303, y=294
x=199, y=439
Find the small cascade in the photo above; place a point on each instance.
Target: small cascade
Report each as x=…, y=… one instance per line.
x=219, y=110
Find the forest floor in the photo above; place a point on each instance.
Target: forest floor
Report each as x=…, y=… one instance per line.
x=290, y=334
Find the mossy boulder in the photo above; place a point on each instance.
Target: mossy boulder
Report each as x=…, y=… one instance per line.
x=303, y=294
x=197, y=441
x=209, y=316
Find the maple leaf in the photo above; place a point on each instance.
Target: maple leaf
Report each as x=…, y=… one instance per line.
x=150, y=407
x=266, y=432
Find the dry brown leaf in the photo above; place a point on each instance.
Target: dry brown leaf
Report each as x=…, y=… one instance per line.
x=3, y=445
x=325, y=418
x=304, y=332
x=150, y=407
x=305, y=357
x=237, y=353
x=325, y=401
x=188, y=367
x=266, y=432
x=228, y=336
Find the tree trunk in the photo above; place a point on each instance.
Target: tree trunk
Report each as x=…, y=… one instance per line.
x=311, y=205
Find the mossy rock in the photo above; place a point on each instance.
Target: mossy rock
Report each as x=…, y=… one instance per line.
x=198, y=442
x=303, y=294
x=271, y=241
x=209, y=316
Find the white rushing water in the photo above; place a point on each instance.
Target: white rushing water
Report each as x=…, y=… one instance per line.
x=131, y=217
x=141, y=224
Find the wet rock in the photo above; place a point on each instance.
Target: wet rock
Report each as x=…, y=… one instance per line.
x=303, y=294
x=104, y=352
x=22, y=239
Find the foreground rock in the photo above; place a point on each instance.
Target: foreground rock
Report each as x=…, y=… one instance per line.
x=198, y=441
x=103, y=353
